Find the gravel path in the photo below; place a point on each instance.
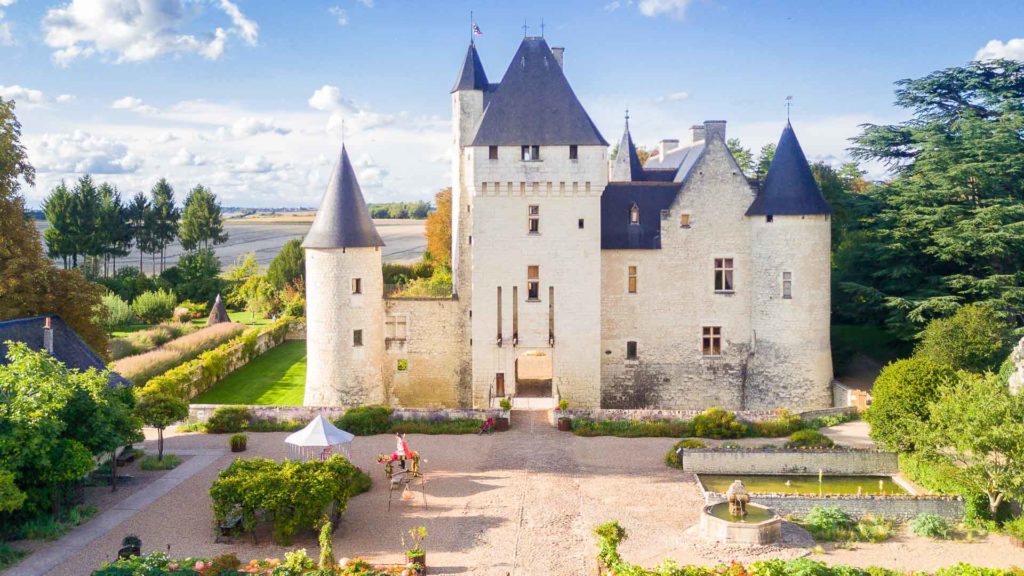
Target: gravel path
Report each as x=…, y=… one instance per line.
x=522, y=502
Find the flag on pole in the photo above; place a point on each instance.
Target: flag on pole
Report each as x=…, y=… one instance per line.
x=476, y=30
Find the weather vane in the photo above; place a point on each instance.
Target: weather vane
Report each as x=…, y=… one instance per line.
x=525, y=27
x=627, y=118
x=541, y=27
x=789, y=104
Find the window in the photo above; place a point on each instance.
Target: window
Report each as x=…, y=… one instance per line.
x=631, y=350
x=533, y=213
x=357, y=285
x=632, y=279
x=574, y=152
x=634, y=215
x=531, y=153
x=492, y=152
x=723, y=274
x=684, y=220
x=769, y=218
x=533, y=283
x=787, y=285
x=357, y=337
x=580, y=223
x=396, y=328
x=711, y=342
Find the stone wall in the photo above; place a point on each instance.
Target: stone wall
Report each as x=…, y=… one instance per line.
x=900, y=507
x=1017, y=376
x=836, y=462
x=202, y=412
x=658, y=414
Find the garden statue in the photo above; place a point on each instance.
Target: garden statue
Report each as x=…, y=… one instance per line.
x=738, y=499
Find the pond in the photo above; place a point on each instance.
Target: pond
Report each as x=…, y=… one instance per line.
x=807, y=485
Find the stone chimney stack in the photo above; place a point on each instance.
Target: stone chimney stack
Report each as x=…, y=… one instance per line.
x=666, y=145
x=559, y=53
x=48, y=335
x=696, y=133
x=714, y=129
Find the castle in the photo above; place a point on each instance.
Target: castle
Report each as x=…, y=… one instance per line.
x=675, y=283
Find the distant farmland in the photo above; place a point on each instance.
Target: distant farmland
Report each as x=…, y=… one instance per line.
x=404, y=241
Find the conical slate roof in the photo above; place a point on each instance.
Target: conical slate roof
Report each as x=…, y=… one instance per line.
x=535, y=105
x=626, y=167
x=342, y=221
x=472, y=75
x=217, y=313
x=789, y=187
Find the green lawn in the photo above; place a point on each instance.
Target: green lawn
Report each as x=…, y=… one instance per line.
x=240, y=316
x=277, y=377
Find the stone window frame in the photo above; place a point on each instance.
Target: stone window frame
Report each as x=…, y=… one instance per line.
x=632, y=274
x=710, y=335
x=787, y=285
x=530, y=153
x=391, y=324
x=724, y=274
x=357, y=286
x=533, y=219
x=533, y=283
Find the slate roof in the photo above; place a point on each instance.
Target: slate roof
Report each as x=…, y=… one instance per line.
x=678, y=161
x=616, y=202
x=535, y=105
x=789, y=187
x=342, y=221
x=68, y=347
x=626, y=167
x=472, y=75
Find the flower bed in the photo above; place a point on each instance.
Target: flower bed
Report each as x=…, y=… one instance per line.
x=142, y=368
x=294, y=564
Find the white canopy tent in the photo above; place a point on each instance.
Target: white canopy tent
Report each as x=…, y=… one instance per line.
x=319, y=440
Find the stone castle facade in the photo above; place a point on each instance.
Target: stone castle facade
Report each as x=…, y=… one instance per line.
x=674, y=284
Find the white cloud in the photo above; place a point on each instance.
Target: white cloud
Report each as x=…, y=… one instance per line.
x=6, y=35
x=340, y=14
x=675, y=9
x=612, y=6
x=65, y=98
x=21, y=95
x=369, y=173
x=186, y=158
x=673, y=97
x=367, y=3
x=249, y=126
x=253, y=165
x=7, y=2
x=329, y=99
x=80, y=152
x=995, y=49
x=133, y=104
x=137, y=30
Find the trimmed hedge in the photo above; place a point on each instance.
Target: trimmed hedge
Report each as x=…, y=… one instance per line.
x=189, y=379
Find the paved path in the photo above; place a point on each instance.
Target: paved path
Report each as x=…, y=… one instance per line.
x=851, y=434
x=45, y=559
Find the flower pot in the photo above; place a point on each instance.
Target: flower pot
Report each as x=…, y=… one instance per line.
x=238, y=448
x=420, y=559
x=501, y=424
x=565, y=424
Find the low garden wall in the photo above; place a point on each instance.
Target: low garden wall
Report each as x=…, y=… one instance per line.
x=196, y=376
x=899, y=506
x=788, y=461
x=744, y=415
x=202, y=412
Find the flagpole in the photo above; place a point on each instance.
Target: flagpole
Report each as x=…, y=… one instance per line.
x=471, y=40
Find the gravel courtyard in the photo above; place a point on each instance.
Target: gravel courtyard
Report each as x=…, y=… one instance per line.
x=520, y=502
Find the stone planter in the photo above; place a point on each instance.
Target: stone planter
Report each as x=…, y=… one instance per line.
x=421, y=560
x=565, y=424
x=501, y=423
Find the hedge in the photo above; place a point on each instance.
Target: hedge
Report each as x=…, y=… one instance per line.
x=196, y=376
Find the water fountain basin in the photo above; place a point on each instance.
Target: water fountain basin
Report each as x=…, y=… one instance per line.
x=760, y=526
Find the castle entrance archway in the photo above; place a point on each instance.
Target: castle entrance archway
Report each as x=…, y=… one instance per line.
x=534, y=370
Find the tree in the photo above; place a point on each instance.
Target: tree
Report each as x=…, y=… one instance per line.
x=948, y=228
x=288, y=265
x=198, y=276
x=165, y=216
x=900, y=399
x=115, y=230
x=201, y=221
x=439, y=229
x=57, y=209
x=764, y=161
x=977, y=426
x=85, y=221
x=742, y=155
x=160, y=411
x=11, y=498
x=30, y=285
x=139, y=218
x=256, y=295
x=976, y=339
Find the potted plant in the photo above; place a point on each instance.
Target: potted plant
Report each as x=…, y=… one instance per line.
x=501, y=423
x=238, y=442
x=564, y=421
x=416, y=555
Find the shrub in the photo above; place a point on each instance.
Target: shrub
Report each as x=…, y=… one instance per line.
x=366, y=420
x=718, y=423
x=195, y=309
x=128, y=283
x=454, y=426
x=10, y=556
x=46, y=528
x=977, y=339
x=169, y=462
x=809, y=439
x=900, y=400
x=1015, y=528
x=143, y=367
x=229, y=419
x=782, y=425
x=152, y=307
x=238, y=442
x=116, y=312
x=672, y=459
x=631, y=428
x=827, y=523
x=931, y=526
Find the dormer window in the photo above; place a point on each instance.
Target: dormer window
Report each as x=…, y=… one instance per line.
x=634, y=215
x=531, y=153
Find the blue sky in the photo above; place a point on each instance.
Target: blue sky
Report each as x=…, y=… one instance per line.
x=247, y=96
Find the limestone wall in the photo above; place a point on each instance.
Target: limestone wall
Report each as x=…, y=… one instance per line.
x=202, y=412
x=836, y=462
x=1017, y=376
x=676, y=298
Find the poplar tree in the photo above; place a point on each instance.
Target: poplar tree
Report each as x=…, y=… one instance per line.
x=202, y=223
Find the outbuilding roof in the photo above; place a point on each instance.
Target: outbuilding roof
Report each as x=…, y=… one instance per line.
x=68, y=347
x=342, y=221
x=534, y=105
x=789, y=187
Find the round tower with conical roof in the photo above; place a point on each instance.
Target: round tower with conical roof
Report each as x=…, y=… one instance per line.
x=791, y=359
x=344, y=298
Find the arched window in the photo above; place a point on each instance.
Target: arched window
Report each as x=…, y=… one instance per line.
x=634, y=215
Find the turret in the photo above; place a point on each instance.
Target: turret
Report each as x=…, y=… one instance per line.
x=344, y=298
x=626, y=166
x=791, y=362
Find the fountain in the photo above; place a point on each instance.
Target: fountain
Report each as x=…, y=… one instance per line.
x=738, y=521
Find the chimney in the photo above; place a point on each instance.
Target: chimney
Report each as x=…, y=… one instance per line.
x=666, y=145
x=696, y=133
x=714, y=129
x=48, y=335
x=558, y=51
